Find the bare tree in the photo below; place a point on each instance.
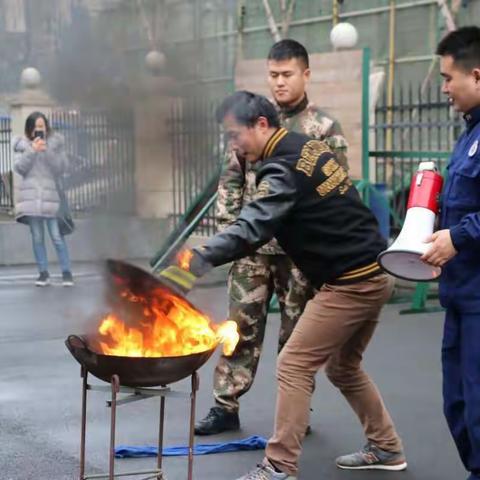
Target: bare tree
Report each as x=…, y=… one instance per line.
x=286, y=12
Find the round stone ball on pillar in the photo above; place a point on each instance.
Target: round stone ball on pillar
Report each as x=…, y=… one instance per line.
x=343, y=36
x=155, y=61
x=30, y=78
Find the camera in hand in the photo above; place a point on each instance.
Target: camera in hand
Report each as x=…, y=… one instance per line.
x=39, y=134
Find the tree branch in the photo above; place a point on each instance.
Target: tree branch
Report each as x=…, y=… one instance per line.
x=271, y=21
x=287, y=19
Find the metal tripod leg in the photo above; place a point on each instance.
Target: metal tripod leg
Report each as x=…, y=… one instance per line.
x=160, y=436
x=113, y=411
x=84, y=374
x=195, y=386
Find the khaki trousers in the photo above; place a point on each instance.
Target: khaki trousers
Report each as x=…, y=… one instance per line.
x=251, y=284
x=333, y=332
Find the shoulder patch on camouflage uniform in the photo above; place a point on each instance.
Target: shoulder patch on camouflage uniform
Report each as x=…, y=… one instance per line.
x=311, y=151
x=316, y=123
x=262, y=189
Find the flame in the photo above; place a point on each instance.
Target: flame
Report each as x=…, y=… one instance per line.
x=227, y=334
x=169, y=327
x=184, y=258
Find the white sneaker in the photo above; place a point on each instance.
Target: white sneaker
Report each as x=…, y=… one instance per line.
x=67, y=279
x=265, y=471
x=43, y=279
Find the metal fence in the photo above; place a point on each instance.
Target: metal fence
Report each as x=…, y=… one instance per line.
x=6, y=177
x=417, y=127
x=197, y=149
x=100, y=148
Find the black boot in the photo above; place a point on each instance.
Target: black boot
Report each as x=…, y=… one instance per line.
x=218, y=420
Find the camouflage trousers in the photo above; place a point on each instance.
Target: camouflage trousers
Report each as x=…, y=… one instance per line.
x=251, y=284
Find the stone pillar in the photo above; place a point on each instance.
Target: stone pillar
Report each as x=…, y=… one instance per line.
x=153, y=149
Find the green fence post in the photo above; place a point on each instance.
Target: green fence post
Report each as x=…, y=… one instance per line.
x=419, y=300
x=366, y=126
x=274, y=306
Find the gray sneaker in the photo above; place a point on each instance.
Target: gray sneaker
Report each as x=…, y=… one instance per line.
x=265, y=471
x=370, y=457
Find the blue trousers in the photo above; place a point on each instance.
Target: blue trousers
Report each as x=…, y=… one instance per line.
x=461, y=384
x=37, y=229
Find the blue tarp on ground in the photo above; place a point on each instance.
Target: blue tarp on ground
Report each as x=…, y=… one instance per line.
x=251, y=443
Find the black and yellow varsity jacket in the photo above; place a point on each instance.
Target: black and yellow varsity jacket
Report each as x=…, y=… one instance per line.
x=307, y=201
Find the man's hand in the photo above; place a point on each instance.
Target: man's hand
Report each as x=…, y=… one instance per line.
x=442, y=249
x=182, y=275
x=178, y=276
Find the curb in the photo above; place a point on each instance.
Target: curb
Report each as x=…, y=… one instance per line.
x=23, y=278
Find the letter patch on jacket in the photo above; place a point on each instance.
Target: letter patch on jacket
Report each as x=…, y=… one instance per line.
x=311, y=151
x=336, y=176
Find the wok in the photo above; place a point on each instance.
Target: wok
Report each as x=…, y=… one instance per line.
x=134, y=371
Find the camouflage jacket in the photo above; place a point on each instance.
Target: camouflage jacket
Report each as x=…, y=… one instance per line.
x=237, y=185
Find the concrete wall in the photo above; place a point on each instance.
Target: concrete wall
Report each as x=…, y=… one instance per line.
x=336, y=87
x=95, y=238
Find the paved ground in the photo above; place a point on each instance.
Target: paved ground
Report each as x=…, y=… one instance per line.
x=40, y=395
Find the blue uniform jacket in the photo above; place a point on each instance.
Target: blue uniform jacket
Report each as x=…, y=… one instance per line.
x=460, y=279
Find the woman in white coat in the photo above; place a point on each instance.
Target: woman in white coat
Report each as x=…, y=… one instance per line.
x=40, y=159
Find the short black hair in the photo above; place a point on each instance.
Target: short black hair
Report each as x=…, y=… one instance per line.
x=463, y=45
x=286, y=49
x=247, y=108
x=30, y=124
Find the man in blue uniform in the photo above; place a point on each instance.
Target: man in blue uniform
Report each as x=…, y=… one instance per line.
x=456, y=248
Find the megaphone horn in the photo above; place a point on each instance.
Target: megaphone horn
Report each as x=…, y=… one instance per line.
x=402, y=259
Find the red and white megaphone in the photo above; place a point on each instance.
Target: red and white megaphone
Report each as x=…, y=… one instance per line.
x=402, y=259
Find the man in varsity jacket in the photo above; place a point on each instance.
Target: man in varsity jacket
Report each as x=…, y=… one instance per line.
x=306, y=201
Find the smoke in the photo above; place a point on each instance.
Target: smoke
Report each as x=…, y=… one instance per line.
x=116, y=119
x=110, y=60
x=87, y=69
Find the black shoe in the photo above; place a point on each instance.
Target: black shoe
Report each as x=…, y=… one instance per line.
x=218, y=420
x=67, y=279
x=43, y=279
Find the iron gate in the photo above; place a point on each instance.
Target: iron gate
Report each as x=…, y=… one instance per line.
x=100, y=149
x=6, y=165
x=418, y=126
x=197, y=149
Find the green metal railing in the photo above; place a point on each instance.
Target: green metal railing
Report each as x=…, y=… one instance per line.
x=198, y=210
x=418, y=126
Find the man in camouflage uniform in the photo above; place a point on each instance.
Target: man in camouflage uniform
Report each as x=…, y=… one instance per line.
x=254, y=279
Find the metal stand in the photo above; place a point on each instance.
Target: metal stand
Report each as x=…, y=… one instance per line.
x=135, y=394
